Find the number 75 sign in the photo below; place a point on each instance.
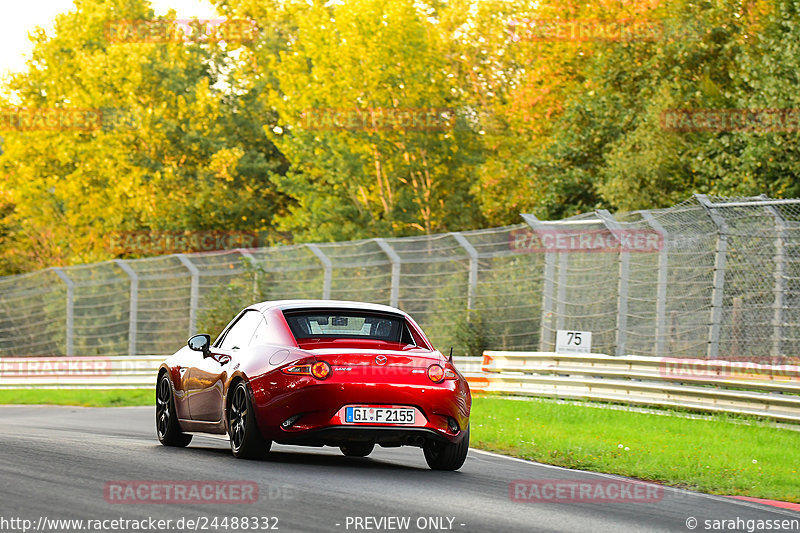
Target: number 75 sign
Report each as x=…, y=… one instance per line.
x=573, y=341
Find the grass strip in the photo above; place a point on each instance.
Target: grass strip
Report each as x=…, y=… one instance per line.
x=719, y=455
x=81, y=397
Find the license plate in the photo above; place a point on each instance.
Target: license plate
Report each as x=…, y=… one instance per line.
x=379, y=415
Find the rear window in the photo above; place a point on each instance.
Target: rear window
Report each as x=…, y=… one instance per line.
x=333, y=324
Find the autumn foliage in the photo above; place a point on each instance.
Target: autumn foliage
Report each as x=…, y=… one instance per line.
x=366, y=118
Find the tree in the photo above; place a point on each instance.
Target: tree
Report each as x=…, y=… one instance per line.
x=385, y=60
x=170, y=148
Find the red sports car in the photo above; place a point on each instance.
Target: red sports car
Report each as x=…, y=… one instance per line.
x=317, y=373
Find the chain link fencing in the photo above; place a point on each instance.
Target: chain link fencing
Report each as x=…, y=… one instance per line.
x=710, y=277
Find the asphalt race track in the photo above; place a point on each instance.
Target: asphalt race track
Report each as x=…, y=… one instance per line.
x=56, y=462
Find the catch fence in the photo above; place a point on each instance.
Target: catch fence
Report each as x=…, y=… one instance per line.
x=710, y=277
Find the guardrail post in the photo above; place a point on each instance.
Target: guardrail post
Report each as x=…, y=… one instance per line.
x=70, y=326
x=720, y=260
x=624, y=273
x=134, y=309
x=661, y=283
x=545, y=327
x=780, y=279
x=194, y=293
x=472, y=290
x=328, y=266
x=394, y=258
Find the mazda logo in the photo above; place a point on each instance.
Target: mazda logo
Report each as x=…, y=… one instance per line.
x=380, y=360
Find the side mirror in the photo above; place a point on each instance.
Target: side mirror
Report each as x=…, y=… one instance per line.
x=200, y=343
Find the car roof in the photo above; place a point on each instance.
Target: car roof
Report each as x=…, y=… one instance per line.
x=285, y=305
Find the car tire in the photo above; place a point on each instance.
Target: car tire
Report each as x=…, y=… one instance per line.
x=167, y=427
x=357, y=449
x=446, y=456
x=245, y=437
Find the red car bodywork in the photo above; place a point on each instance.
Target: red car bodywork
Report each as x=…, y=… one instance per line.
x=202, y=384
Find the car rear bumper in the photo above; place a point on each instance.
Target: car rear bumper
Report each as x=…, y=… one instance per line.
x=318, y=405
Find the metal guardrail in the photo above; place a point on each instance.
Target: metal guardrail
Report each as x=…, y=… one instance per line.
x=119, y=372
x=770, y=391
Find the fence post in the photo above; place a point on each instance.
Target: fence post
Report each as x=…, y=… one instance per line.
x=549, y=286
x=717, y=294
x=561, y=296
x=134, y=309
x=70, y=326
x=252, y=261
x=394, y=258
x=328, y=266
x=780, y=279
x=547, y=301
x=194, y=294
x=661, y=283
x=472, y=290
x=624, y=274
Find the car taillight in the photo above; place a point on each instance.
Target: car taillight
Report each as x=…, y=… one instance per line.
x=321, y=370
x=298, y=370
x=436, y=373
